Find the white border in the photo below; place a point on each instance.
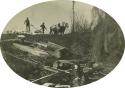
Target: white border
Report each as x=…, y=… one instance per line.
x=9, y=8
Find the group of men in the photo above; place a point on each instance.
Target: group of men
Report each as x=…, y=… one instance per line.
x=28, y=24
x=56, y=29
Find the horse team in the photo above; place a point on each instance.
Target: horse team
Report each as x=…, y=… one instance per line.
x=59, y=28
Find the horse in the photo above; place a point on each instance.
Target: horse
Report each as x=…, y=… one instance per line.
x=62, y=28
x=53, y=30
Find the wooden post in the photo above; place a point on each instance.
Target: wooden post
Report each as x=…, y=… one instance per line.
x=73, y=15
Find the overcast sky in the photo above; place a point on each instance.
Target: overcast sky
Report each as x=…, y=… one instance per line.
x=51, y=13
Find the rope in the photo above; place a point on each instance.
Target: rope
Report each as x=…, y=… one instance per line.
x=34, y=27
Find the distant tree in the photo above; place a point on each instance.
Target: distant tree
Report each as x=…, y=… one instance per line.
x=108, y=40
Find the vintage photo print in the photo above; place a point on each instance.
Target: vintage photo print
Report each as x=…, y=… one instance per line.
x=62, y=44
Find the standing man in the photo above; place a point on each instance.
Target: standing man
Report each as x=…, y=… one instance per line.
x=43, y=27
x=27, y=23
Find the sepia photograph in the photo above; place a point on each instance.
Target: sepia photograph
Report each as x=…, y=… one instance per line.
x=62, y=44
